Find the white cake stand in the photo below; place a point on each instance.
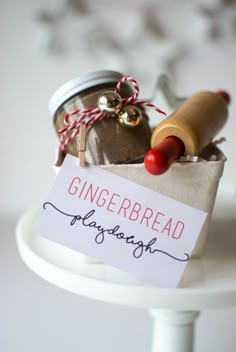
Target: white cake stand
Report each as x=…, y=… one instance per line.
x=208, y=282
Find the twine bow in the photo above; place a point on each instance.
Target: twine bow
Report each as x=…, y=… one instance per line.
x=93, y=115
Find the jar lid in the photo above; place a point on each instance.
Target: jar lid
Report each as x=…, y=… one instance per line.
x=79, y=84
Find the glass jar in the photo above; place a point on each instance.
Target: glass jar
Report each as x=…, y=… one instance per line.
x=107, y=141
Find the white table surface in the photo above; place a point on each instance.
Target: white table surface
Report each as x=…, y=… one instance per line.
x=208, y=281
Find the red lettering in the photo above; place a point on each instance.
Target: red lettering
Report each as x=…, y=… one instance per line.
x=181, y=230
x=125, y=200
x=147, y=216
x=73, y=188
x=82, y=189
x=156, y=222
x=103, y=200
x=111, y=201
x=135, y=211
x=167, y=227
x=90, y=192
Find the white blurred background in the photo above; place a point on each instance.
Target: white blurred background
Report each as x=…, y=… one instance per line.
x=45, y=43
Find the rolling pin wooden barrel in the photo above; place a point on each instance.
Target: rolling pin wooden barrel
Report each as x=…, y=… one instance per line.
x=187, y=130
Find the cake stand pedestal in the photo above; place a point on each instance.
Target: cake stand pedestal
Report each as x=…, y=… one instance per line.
x=209, y=282
x=173, y=331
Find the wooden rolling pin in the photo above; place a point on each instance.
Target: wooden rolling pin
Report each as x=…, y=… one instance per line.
x=188, y=130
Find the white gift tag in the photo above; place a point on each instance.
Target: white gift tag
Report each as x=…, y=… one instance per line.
x=119, y=222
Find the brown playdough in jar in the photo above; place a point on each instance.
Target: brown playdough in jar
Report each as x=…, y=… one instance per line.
x=107, y=142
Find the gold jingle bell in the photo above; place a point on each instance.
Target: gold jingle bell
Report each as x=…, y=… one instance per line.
x=109, y=102
x=130, y=116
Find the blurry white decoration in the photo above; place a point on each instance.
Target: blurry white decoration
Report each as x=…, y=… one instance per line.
x=118, y=37
x=58, y=21
x=137, y=44
x=141, y=39
x=221, y=18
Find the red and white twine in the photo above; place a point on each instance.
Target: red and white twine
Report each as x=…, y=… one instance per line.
x=93, y=115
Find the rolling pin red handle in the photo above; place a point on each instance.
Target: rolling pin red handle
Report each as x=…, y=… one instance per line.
x=159, y=159
x=225, y=95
